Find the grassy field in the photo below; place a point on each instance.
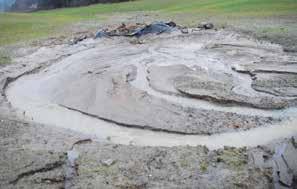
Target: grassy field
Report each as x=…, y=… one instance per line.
x=4, y=59
x=16, y=27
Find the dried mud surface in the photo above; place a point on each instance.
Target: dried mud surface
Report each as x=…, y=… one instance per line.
x=154, y=113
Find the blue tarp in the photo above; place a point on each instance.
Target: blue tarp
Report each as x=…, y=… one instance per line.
x=154, y=28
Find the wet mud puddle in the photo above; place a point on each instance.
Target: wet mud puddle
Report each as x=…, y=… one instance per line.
x=172, y=90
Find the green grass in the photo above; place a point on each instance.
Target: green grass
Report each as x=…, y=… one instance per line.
x=16, y=27
x=19, y=27
x=4, y=58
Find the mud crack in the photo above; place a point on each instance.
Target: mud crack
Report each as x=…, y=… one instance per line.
x=46, y=168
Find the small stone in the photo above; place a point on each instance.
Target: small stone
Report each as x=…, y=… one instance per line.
x=184, y=30
x=206, y=25
x=48, y=181
x=108, y=162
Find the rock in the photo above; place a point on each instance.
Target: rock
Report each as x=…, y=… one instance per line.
x=206, y=25
x=184, y=30
x=78, y=39
x=108, y=162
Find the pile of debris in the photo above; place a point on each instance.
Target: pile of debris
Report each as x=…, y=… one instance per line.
x=138, y=30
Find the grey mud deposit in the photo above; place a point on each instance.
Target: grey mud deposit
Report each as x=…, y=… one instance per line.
x=160, y=98
x=182, y=89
